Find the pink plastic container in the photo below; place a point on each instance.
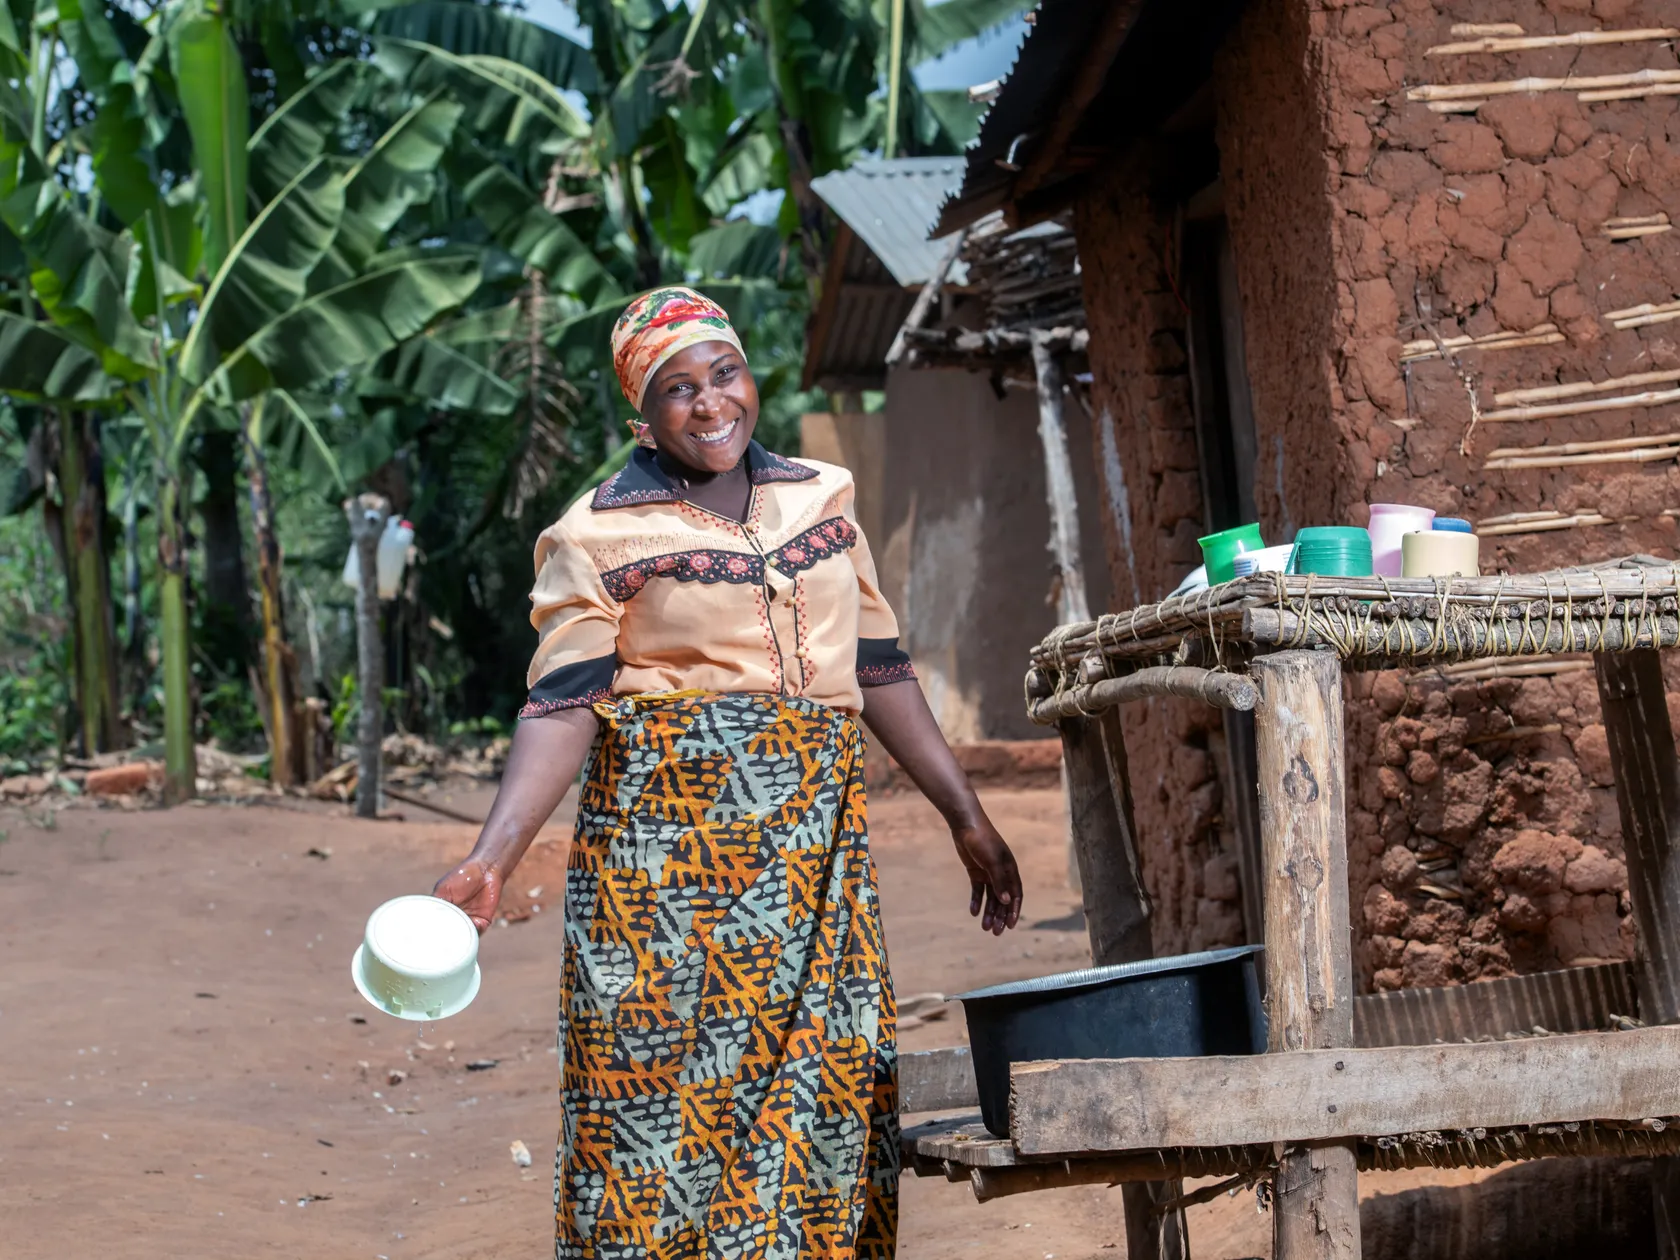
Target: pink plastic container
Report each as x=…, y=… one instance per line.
x=1389, y=521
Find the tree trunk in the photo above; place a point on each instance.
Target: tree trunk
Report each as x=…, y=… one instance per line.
x=367, y=515
x=279, y=677
x=175, y=634
x=134, y=626
x=81, y=474
x=226, y=615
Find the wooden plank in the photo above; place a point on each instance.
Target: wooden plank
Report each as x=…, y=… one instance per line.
x=936, y=1080
x=1579, y=999
x=1309, y=966
x=1339, y=1094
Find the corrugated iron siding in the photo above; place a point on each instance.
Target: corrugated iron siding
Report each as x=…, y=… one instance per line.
x=1577, y=999
x=891, y=203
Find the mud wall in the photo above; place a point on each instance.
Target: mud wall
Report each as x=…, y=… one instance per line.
x=1483, y=832
x=1144, y=448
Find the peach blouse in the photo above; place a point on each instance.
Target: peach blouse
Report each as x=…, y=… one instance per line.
x=639, y=591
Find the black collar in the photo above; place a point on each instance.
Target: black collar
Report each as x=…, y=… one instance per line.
x=642, y=480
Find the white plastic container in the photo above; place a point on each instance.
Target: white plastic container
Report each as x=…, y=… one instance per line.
x=1389, y=523
x=390, y=560
x=1266, y=560
x=418, y=958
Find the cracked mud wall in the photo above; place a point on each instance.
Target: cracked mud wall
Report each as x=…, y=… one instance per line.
x=1367, y=228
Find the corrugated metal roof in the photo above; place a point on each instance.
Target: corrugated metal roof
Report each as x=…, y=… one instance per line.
x=891, y=203
x=1091, y=76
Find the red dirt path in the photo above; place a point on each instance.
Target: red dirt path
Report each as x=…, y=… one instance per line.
x=184, y=1066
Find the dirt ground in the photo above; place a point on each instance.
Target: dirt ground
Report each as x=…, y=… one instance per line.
x=190, y=1074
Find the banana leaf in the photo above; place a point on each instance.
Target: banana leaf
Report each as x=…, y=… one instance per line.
x=39, y=361
x=476, y=29
x=210, y=78
x=342, y=327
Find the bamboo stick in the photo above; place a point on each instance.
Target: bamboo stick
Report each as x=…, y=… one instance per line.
x=1578, y=448
x=1576, y=39
x=1539, y=335
x=1634, y=233
x=1644, y=308
x=1547, y=515
x=1630, y=94
x=1580, y=519
x=1576, y=389
x=1644, y=321
x=1456, y=107
x=1513, y=87
x=1515, y=667
x=1282, y=628
x=1637, y=220
x=1624, y=402
x=1652, y=455
x=1470, y=30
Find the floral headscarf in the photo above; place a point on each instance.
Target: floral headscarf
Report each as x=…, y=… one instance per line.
x=658, y=325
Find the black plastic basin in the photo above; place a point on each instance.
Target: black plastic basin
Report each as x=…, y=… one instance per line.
x=1190, y=1004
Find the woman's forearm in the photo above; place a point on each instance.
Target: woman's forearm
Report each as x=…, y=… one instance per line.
x=898, y=715
x=543, y=763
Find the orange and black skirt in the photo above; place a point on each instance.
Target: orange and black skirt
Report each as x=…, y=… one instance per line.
x=728, y=1068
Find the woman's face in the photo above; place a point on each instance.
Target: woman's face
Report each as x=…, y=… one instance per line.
x=702, y=406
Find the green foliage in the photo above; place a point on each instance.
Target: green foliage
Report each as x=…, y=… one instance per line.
x=383, y=239
x=228, y=716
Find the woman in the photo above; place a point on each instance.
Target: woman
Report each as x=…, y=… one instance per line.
x=710, y=626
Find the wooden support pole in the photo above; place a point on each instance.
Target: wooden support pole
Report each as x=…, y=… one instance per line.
x=1058, y=484
x=1309, y=965
x=1241, y=773
x=1117, y=918
x=1642, y=757
x=1104, y=840
x=1630, y=687
x=368, y=513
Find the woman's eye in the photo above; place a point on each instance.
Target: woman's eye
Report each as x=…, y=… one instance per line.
x=726, y=372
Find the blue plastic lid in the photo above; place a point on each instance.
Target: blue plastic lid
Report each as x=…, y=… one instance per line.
x=1452, y=525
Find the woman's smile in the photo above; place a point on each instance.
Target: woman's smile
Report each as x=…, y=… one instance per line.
x=711, y=436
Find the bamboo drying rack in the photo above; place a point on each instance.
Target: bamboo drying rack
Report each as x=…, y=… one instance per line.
x=1275, y=646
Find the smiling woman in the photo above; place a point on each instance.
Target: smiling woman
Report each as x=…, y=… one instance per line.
x=710, y=631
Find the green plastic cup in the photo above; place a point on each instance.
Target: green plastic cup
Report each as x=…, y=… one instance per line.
x=1332, y=550
x=1220, y=551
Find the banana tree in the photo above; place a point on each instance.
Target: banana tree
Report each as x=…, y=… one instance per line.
x=299, y=293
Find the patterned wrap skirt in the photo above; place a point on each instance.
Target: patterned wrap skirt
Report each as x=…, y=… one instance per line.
x=728, y=1067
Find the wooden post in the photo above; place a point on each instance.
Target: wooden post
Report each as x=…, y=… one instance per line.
x=1104, y=839
x=1630, y=687
x=1058, y=484
x=1642, y=756
x=1309, y=965
x=1244, y=812
x=367, y=515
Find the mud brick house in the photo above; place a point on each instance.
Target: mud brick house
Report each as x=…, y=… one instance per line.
x=1336, y=254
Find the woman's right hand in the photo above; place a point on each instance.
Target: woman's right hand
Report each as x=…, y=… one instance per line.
x=475, y=886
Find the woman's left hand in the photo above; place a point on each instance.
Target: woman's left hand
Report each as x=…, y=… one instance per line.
x=991, y=873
